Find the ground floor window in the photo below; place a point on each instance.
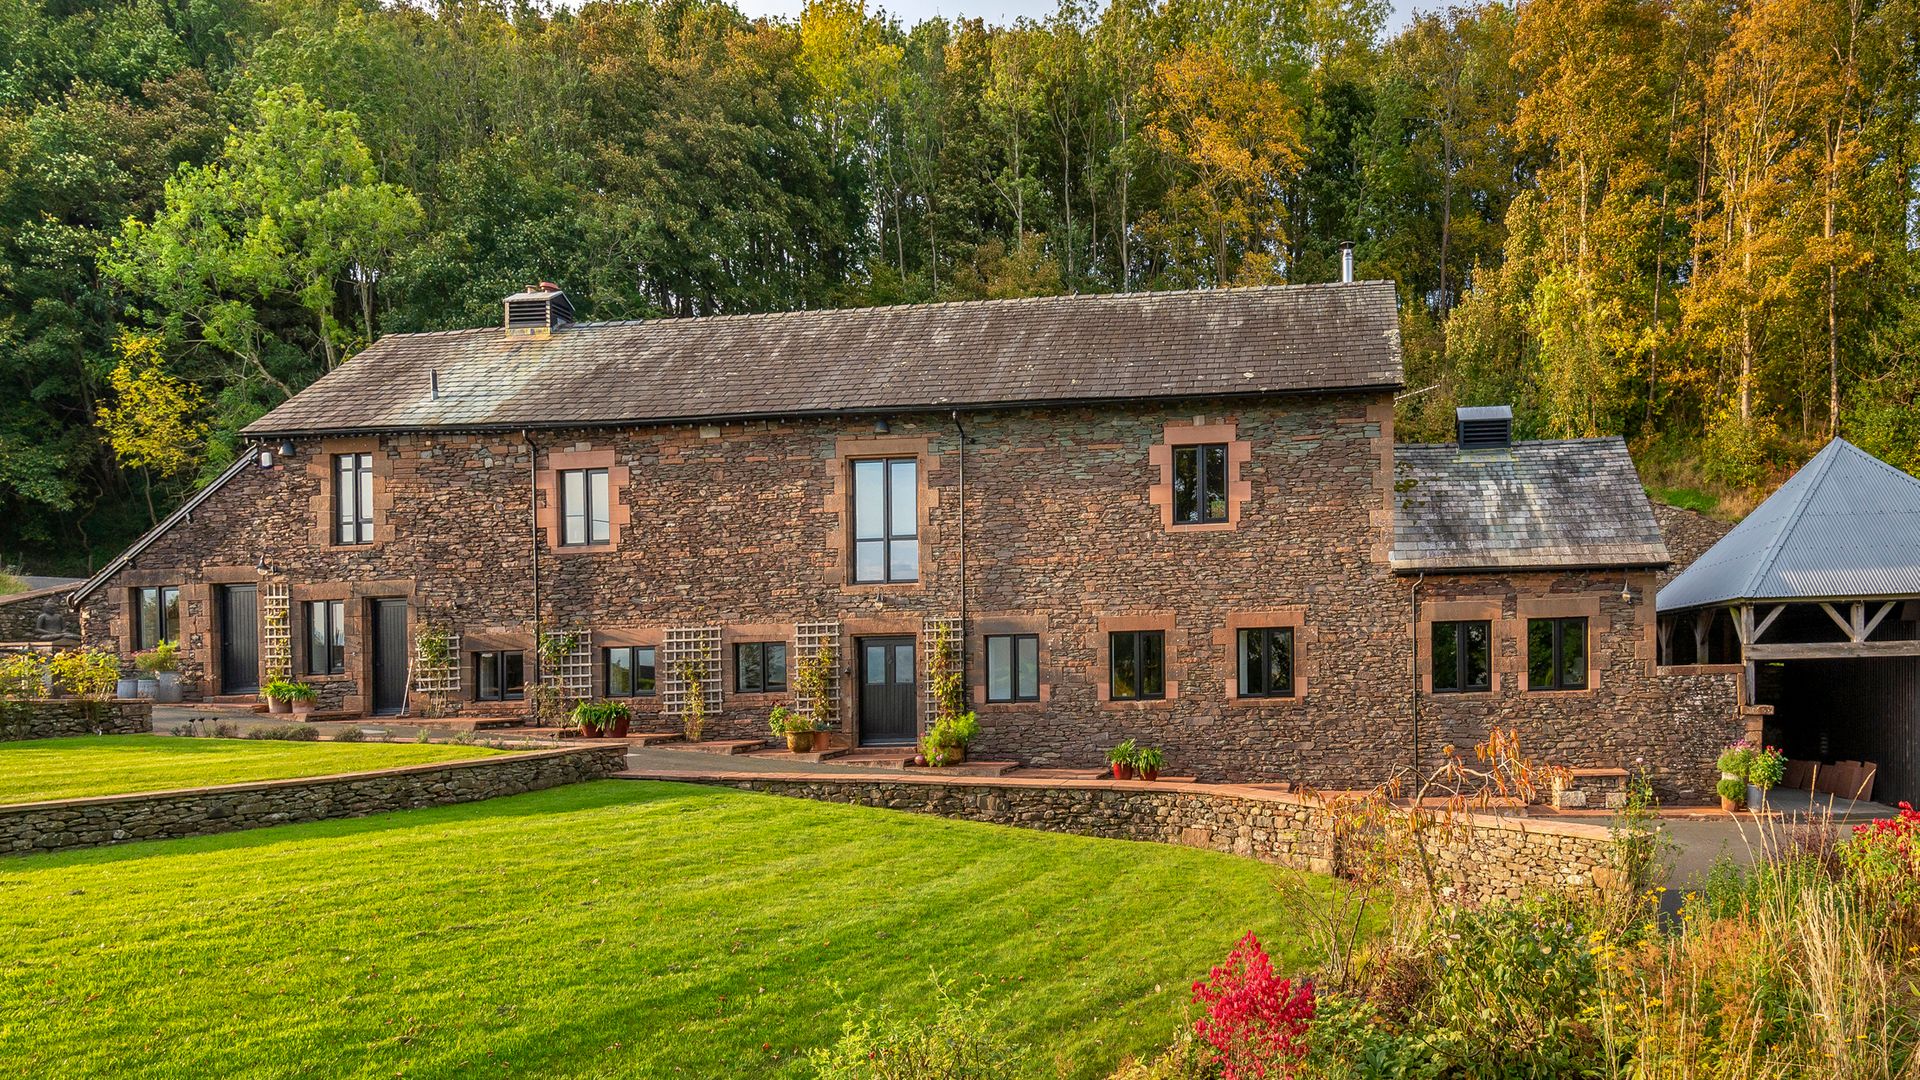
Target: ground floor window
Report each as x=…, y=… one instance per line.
x=499, y=676
x=759, y=667
x=326, y=637
x=156, y=616
x=1462, y=657
x=1557, y=654
x=1013, y=667
x=1138, y=665
x=1266, y=662
x=629, y=671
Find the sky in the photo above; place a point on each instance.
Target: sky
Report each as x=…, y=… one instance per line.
x=1001, y=11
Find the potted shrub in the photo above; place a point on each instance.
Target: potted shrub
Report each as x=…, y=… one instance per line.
x=278, y=696
x=1766, y=768
x=1733, y=792
x=161, y=664
x=127, y=686
x=791, y=726
x=1121, y=759
x=302, y=696
x=619, y=719
x=587, y=716
x=947, y=740
x=1148, y=761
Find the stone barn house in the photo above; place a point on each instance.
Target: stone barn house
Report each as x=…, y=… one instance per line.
x=1178, y=517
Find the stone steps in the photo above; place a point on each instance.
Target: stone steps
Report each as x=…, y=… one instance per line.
x=724, y=747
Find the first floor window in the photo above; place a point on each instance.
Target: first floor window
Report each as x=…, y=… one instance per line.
x=886, y=520
x=759, y=667
x=629, y=671
x=353, y=498
x=499, y=676
x=585, y=514
x=326, y=637
x=1266, y=662
x=1013, y=667
x=156, y=616
x=1139, y=665
x=1200, y=484
x=1462, y=657
x=1557, y=654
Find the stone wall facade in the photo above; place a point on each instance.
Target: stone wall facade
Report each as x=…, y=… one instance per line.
x=62, y=718
x=25, y=616
x=1062, y=533
x=1486, y=857
x=113, y=819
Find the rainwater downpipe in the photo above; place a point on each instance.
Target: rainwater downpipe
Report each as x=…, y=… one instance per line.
x=963, y=545
x=533, y=543
x=1413, y=598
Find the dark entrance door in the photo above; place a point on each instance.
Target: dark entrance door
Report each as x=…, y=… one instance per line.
x=239, y=639
x=389, y=656
x=888, y=687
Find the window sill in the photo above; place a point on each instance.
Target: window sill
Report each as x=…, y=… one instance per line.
x=1263, y=702
x=1137, y=704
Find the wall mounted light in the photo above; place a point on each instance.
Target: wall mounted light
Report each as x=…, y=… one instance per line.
x=266, y=459
x=286, y=447
x=880, y=427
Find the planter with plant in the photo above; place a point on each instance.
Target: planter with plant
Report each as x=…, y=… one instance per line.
x=954, y=726
x=1148, y=761
x=598, y=719
x=693, y=710
x=1733, y=792
x=279, y=697
x=302, y=696
x=1121, y=758
x=786, y=724
x=1765, y=770
x=813, y=693
x=947, y=740
x=161, y=664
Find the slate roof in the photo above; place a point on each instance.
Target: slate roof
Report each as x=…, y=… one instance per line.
x=979, y=354
x=1551, y=504
x=1846, y=526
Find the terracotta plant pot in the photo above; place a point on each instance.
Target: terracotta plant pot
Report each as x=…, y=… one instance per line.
x=1729, y=805
x=622, y=726
x=302, y=708
x=1122, y=771
x=799, y=742
x=277, y=706
x=1149, y=774
x=819, y=742
x=589, y=731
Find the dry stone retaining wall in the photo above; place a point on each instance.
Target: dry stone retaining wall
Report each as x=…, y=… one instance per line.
x=62, y=718
x=72, y=823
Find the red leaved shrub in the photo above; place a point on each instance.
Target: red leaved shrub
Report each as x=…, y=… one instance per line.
x=1256, y=1022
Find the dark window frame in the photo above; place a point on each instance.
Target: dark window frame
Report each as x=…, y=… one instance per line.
x=587, y=521
x=1018, y=693
x=1136, y=650
x=1558, y=681
x=333, y=616
x=166, y=601
x=887, y=538
x=500, y=691
x=1459, y=683
x=353, y=503
x=1203, y=480
x=763, y=649
x=634, y=667
x=1266, y=636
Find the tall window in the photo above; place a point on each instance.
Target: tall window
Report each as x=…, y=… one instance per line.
x=1013, y=667
x=759, y=667
x=886, y=520
x=1557, y=654
x=499, y=676
x=1139, y=665
x=629, y=671
x=1462, y=657
x=1200, y=484
x=584, y=514
x=353, y=498
x=1266, y=662
x=326, y=637
x=156, y=616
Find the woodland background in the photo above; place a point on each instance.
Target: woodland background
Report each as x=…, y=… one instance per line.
x=1692, y=222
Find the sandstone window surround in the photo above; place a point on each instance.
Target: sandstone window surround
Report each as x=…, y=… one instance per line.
x=1544, y=608
x=1188, y=455
x=156, y=615
x=575, y=468
x=326, y=636
x=852, y=454
x=1490, y=610
x=1227, y=644
x=367, y=499
x=1172, y=667
x=500, y=676
x=755, y=663
x=1011, y=629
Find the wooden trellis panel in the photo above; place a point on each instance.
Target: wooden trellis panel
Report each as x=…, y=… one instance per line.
x=808, y=639
x=276, y=633
x=576, y=668
x=440, y=676
x=930, y=634
x=700, y=644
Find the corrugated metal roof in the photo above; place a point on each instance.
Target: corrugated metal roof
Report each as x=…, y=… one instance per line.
x=1846, y=525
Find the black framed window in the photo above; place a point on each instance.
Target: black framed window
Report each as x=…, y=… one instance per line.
x=1200, y=484
x=1557, y=654
x=759, y=667
x=1138, y=667
x=1462, y=657
x=1013, y=667
x=156, y=615
x=886, y=520
x=585, y=510
x=326, y=637
x=353, y=498
x=1266, y=662
x=629, y=671
x=499, y=676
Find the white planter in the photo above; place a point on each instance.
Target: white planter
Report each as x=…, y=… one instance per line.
x=127, y=688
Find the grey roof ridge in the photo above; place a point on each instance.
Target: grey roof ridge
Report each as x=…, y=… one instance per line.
x=166, y=525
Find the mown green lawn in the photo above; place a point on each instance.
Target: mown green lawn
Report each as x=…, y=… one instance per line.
x=121, y=764
x=608, y=929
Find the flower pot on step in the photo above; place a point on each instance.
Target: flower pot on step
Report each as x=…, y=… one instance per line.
x=622, y=726
x=1149, y=774
x=126, y=688
x=589, y=731
x=145, y=686
x=303, y=708
x=1122, y=771
x=819, y=742
x=166, y=688
x=799, y=742
x=276, y=706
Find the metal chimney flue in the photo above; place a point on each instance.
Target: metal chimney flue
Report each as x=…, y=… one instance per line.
x=1346, y=261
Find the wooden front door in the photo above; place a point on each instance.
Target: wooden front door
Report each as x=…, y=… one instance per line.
x=389, y=656
x=239, y=639
x=889, y=688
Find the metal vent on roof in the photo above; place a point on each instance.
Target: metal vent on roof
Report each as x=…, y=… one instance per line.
x=1485, y=427
x=540, y=310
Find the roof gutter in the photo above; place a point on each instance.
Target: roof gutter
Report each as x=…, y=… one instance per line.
x=185, y=513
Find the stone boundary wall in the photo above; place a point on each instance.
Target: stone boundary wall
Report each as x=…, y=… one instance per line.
x=61, y=718
x=112, y=819
x=1502, y=858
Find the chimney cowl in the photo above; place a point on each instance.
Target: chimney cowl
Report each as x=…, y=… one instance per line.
x=538, y=311
x=1484, y=427
x=1346, y=261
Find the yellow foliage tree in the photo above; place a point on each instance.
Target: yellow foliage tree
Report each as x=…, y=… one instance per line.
x=155, y=422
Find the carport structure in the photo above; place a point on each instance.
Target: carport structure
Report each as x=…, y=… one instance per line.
x=1817, y=593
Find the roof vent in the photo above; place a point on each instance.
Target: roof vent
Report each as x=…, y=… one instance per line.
x=538, y=311
x=1485, y=427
